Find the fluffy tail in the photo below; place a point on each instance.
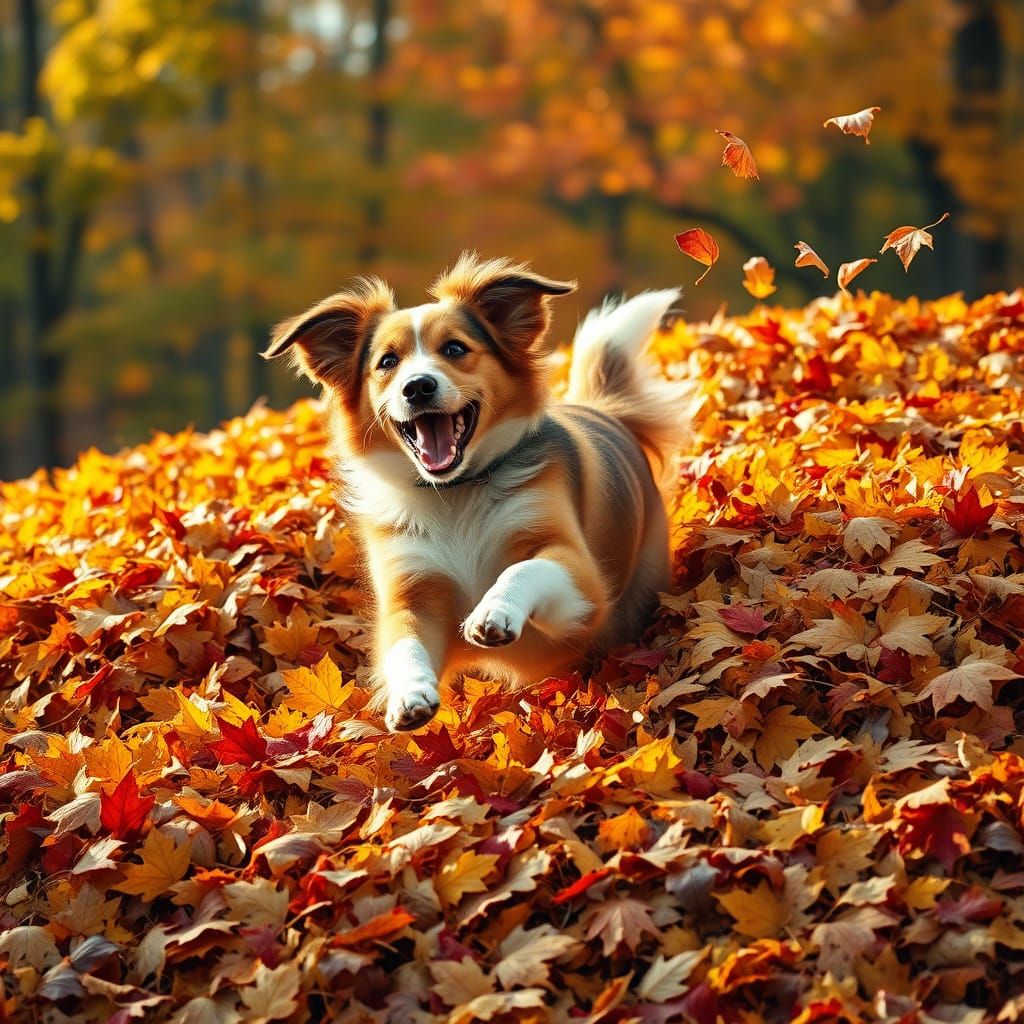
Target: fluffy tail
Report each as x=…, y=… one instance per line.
x=609, y=373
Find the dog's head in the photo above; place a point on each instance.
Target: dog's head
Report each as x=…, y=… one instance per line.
x=450, y=383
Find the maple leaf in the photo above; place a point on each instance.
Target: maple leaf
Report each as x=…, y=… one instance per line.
x=163, y=863
x=627, y=831
x=902, y=631
x=272, y=996
x=971, y=681
x=737, y=156
x=666, y=978
x=848, y=271
x=863, y=534
x=967, y=514
x=700, y=246
x=463, y=873
x=239, y=744
x=846, y=633
x=744, y=619
x=855, y=124
x=761, y=913
x=621, y=921
x=123, y=811
x=459, y=982
x=318, y=689
x=807, y=257
x=781, y=735
x=526, y=955
x=906, y=241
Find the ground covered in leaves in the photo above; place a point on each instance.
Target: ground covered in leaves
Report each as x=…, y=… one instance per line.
x=798, y=798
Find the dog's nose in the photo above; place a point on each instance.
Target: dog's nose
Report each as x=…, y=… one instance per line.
x=420, y=389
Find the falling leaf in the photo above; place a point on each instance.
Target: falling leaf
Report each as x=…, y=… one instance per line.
x=759, y=277
x=807, y=257
x=699, y=245
x=907, y=241
x=856, y=124
x=737, y=156
x=848, y=271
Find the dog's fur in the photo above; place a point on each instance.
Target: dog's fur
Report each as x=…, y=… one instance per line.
x=535, y=536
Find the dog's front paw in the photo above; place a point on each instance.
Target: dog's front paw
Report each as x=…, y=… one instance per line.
x=493, y=625
x=412, y=708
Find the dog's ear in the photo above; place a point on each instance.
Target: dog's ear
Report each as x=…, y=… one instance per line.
x=511, y=298
x=326, y=342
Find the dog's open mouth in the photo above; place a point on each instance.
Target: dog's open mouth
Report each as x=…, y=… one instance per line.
x=439, y=439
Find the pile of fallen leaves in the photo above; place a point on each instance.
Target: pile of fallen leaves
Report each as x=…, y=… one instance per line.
x=798, y=797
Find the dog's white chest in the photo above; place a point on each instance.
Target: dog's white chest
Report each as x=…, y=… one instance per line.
x=462, y=536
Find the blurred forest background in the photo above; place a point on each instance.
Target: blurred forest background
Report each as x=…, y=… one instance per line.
x=177, y=175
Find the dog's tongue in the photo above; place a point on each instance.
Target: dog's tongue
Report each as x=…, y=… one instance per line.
x=435, y=438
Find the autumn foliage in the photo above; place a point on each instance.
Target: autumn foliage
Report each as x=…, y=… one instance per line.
x=799, y=797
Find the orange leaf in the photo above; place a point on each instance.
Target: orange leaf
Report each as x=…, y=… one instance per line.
x=760, y=277
x=855, y=124
x=737, y=156
x=700, y=246
x=809, y=258
x=848, y=271
x=907, y=240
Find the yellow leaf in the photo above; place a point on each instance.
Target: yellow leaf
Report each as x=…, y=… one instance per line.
x=163, y=864
x=627, y=831
x=761, y=913
x=463, y=874
x=317, y=689
x=781, y=735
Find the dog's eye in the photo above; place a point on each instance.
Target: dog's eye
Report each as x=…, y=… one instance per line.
x=388, y=362
x=453, y=349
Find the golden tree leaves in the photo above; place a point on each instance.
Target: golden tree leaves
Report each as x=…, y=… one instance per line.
x=856, y=124
x=737, y=156
x=810, y=757
x=906, y=241
x=700, y=246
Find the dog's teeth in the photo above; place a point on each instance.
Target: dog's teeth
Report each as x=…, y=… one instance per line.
x=459, y=423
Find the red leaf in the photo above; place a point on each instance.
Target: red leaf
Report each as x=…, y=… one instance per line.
x=25, y=832
x=936, y=830
x=967, y=515
x=580, y=886
x=123, y=811
x=816, y=373
x=744, y=620
x=700, y=246
x=973, y=905
x=239, y=745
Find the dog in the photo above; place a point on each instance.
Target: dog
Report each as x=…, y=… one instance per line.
x=502, y=533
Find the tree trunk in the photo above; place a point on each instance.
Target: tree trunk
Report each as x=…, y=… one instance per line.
x=42, y=369
x=378, y=128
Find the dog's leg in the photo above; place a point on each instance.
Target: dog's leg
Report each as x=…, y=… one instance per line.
x=413, y=634
x=559, y=590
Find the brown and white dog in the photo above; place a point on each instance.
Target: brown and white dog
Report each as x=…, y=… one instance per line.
x=502, y=533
